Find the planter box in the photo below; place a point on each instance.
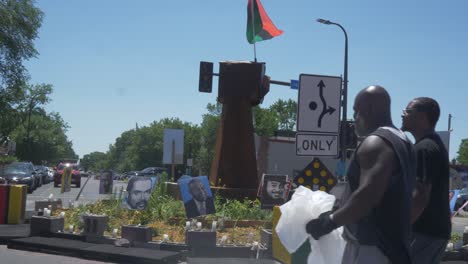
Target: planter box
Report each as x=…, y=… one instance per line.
x=45, y=226
x=136, y=233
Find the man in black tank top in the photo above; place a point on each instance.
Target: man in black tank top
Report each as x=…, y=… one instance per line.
x=376, y=215
x=431, y=213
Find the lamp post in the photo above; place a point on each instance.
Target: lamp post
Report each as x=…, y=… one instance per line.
x=345, y=87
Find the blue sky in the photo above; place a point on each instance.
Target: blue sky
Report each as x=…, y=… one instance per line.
x=115, y=63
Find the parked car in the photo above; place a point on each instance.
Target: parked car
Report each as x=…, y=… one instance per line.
x=20, y=173
x=76, y=177
x=462, y=197
x=129, y=174
x=42, y=172
x=152, y=171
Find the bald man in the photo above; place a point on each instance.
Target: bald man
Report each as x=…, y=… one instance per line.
x=377, y=214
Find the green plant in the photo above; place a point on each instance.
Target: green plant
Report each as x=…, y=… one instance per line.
x=7, y=159
x=455, y=237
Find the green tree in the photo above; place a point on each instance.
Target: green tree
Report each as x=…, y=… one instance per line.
x=94, y=161
x=265, y=121
x=208, y=133
x=463, y=152
x=20, y=21
x=286, y=112
x=47, y=141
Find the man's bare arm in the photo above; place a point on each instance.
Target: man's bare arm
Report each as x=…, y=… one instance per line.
x=421, y=194
x=377, y=161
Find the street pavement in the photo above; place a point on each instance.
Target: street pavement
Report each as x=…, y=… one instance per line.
x=90, y=193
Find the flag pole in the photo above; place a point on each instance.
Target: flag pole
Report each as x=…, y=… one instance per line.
x=253, y=29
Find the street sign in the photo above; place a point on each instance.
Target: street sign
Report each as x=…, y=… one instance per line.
x=295, y=84
x=317, y=145
x=319, y=104
x=173, y=148
x=316, y=176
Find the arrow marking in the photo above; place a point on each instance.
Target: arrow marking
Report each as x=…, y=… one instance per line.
x=330, y=110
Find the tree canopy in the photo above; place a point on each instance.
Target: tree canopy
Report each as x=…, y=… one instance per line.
x=463, y=152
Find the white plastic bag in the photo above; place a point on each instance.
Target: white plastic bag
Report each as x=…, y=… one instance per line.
x=304, y=206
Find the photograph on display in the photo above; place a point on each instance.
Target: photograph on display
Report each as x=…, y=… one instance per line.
x=274, y=190
x=138, y=192
x=106, y=182
x=197, y=196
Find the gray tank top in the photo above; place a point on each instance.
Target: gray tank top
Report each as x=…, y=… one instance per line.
x=388, y=225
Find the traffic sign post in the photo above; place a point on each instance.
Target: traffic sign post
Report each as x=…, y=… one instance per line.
x=318, y=116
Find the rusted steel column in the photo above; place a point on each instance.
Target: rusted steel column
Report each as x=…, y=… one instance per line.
x=241, y=86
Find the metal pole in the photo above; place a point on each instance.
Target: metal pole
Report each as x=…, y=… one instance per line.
x=450, y=123
x=345, y=95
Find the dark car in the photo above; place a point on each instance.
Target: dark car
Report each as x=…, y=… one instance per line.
x=42, y=172
x=76, y=177
x=20, y=173
x=152, y=171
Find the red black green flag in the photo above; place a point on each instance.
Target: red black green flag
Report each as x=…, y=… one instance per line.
x=262, y=27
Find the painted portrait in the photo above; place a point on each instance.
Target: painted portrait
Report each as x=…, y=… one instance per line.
x=138, y=192
x=274, y=190
x=197, y=196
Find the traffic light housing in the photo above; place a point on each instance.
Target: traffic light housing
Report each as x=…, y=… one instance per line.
x=350, y=139
x=205, y=84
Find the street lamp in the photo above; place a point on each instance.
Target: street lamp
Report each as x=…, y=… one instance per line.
x=345, y=87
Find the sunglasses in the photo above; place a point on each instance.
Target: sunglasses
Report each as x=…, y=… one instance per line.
x=413, y=110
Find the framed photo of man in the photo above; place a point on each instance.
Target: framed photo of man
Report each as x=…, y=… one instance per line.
x=274, y=190
x=138, y=192
x=106, y=182
x=197, y=196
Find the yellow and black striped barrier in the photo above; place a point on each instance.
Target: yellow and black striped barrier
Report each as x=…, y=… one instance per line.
x=12, y=204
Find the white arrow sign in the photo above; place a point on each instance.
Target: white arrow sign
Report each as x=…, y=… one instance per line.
x=316, y=145
x=319, y=104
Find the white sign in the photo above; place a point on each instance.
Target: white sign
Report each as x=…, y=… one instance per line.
x=316, y=145
x=445, y=137
x=319, y=104
x=173, y=137
x=190, y=162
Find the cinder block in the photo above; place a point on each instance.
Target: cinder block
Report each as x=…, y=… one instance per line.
x=55, y=204
x=94, y=226
x=200, y=239
x=44, y=226
x=136, y=233
x=266, y=240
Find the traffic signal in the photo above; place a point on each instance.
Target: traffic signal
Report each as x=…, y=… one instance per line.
x=206, y=77
x=350, y=139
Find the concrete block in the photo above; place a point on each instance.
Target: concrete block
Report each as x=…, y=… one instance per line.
x=94, y=226
x=266, y=240
x=200, y=239
x=45, y=226
x=54, y=203
x=136, y=233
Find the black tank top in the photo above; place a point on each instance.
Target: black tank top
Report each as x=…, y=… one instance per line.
x=388, y=225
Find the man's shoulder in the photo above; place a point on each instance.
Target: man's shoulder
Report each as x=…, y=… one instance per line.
x=429, y=144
